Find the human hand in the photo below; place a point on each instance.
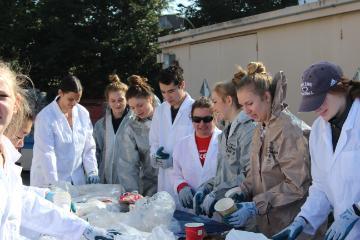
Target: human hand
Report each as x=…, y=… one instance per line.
x=208, y=204
x=292, y=231
x=94, y=233
x=239, y=218
x=186, y=197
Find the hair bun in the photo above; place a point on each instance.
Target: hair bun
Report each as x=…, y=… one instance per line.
x=114, y=78
x=256, y=67
x=136, y=80
x=239, y=75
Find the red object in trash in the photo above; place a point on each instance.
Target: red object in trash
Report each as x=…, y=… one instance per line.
x=130, y=197
x=195, y=231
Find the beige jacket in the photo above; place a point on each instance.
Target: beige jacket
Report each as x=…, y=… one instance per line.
x=279, y=176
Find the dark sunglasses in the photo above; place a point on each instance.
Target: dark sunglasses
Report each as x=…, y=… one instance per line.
x=205, y=119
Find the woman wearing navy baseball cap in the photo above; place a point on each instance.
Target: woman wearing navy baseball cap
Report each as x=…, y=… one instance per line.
x=335, y=150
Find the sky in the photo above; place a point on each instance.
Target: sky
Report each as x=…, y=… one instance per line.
x=173, y=6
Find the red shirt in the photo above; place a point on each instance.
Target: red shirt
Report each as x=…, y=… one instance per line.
x=202, y=146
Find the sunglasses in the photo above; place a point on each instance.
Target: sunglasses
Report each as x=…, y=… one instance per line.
x=205, y=119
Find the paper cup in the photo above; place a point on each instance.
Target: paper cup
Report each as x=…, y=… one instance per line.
x=194, y=231
x=225, y=206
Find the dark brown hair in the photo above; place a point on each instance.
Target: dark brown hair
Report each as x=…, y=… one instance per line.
x=138, y=87
x=172, y=74
x=347, y=87
x=202, y=102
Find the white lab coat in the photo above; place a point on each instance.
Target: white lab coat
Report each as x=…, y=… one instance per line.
x=165, y=133
x=187, y=165
x=62, y=153
x=25, y=208
x=336, y=178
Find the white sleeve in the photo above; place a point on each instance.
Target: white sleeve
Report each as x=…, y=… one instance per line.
x=317, y=206
x=89, y=153
x=154, y=136
x=38, y=191
x=40, y=215
x=177, y=174
x=44, y=149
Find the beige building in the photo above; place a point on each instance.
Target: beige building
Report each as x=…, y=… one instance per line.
x=289, y=39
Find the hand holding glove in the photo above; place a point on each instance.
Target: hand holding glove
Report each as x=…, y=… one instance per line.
x=94, y=233
x=93, y=178
x=292, y=231
x=239, y=218
x=208, y=204
x=186, y=197
x=343, y=225
x=163, y=159
x=199, y=197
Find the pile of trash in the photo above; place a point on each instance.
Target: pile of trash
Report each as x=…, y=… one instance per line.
x=149, y=218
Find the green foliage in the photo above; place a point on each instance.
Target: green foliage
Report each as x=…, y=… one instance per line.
x=207, y=12
x=90, y=38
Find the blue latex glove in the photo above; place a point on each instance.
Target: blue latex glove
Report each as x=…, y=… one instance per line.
x=163, y=159
x=208, y=204
x=50, y=197
x=239, y=218
x=199, y=197
x=94, y=233
x=93, y=179
x=186, y=197
x=343, y=225
x=292, y=231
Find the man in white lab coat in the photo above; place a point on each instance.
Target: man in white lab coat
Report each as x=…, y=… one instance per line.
x=170, y=123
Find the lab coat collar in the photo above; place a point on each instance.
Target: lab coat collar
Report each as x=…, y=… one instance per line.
x=188, y=101
x=348, y=125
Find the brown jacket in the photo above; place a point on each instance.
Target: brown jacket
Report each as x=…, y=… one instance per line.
x=279, y=176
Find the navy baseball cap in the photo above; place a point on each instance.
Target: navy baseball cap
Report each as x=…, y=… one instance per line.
x=316, y=83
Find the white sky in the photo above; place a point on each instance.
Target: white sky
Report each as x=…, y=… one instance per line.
x=173, y=6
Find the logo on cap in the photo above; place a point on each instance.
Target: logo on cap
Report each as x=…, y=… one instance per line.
x=333, y=82
x=306, y=89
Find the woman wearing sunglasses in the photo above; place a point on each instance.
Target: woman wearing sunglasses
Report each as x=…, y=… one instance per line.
x=195, y=155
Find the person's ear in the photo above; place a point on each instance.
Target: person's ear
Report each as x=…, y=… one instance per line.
x=267, y=97
x=229, y=100
x=60, y=93
x=18, y=100
x=182, y=85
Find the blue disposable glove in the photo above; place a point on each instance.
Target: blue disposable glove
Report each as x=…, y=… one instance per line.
x=239, y=218
x=163, y=159
x=343, y=225
x=93, y=179
x=50, y=197
x=186, y=197
x=199, y=197
x=94, y=233
x=292, y=231
x=208, y=204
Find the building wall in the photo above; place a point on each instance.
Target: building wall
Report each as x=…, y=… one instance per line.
x=288, y=39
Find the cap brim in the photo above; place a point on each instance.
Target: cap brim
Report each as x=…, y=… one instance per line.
x=311, y=103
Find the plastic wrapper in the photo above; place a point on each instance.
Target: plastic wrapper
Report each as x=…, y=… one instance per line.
x=148, y=213
x=243, y=235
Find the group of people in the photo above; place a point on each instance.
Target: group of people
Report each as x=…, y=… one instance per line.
x=285, y=177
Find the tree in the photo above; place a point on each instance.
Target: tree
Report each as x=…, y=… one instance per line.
x=207, y=12
x=89, y=38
